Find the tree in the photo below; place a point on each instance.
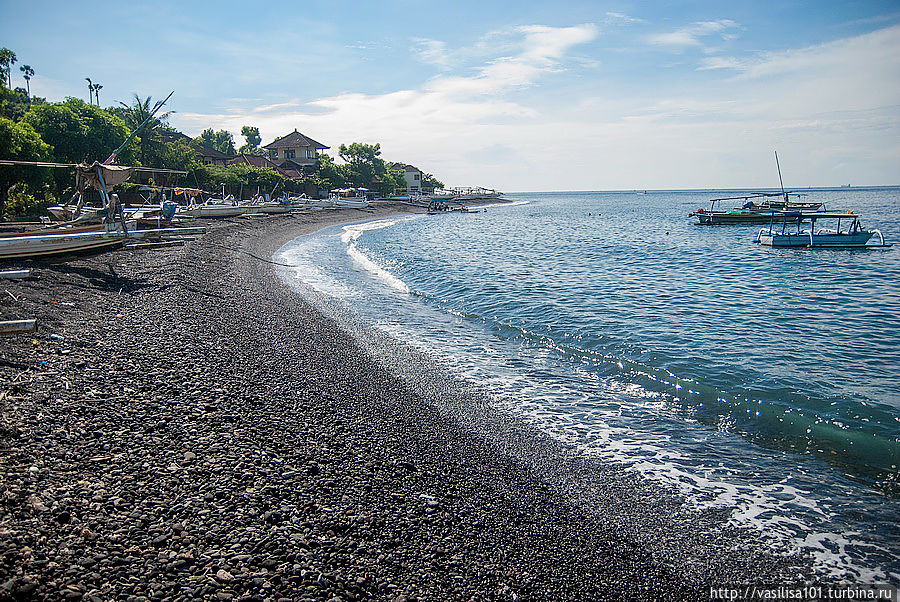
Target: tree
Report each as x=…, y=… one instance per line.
x=366, y=168
x=150, y=138
x=430, y=182
x=330, y=173
x=251, y=135
x=97, y=88
x=78, y=132
x=14, y=104
x=20, y=141
x=27, y=73
x=90, y=91
x=7, y=59
x=221, y=141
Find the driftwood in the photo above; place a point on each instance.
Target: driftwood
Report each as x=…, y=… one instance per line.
x=12, y=327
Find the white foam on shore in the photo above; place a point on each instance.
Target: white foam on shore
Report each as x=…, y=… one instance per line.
x=351, y=235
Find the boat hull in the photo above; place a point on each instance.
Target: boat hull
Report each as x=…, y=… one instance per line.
x=13, y=247
x=214, y=211
x=820, y=240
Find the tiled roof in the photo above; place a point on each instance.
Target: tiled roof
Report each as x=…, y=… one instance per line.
x=208, y=151
x=404, y=167
x=254, y=160
x=294, y=140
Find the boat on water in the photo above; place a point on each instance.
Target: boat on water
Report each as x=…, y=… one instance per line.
x=756, y=209
x=846, y=232
x=349, y=197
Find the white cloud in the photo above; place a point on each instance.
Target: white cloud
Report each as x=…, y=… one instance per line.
x=831, y=110
x=692, y=35
x=621, y=19
x=433, y=52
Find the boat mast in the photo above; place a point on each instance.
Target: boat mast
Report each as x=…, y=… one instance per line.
x=778, y=165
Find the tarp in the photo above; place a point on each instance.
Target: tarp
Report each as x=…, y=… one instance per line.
x=89, y=175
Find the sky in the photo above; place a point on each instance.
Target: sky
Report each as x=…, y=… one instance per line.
x=518, y=96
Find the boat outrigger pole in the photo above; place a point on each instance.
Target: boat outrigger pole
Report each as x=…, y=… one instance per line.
x=778, y=165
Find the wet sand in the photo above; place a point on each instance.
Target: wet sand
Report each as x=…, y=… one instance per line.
x=202, y=432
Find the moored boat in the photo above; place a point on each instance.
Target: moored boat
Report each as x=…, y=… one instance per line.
x=781, y=233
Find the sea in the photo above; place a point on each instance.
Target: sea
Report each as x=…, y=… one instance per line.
x=761, y=382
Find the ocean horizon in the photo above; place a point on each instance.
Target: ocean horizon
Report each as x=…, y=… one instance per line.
x=752, y=381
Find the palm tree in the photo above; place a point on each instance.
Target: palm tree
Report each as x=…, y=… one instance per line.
x=7, y=58
x=27, y=73
x=97, y=88
x=137, y=113
x=90, y=91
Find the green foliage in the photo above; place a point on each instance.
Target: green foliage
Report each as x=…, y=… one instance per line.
x=251, y=135
x=211, y=178
x=150, y=138
x=27, y=73
x=19, y=141
x=364, y=167
x=177, y=155
x=7, y=58
x=15, y=103
x=24, y=201
x=429, y=182
x=329, y=173
x=221, y=141
x=79, y=132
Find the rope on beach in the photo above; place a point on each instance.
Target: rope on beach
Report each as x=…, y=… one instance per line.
x=286, y=265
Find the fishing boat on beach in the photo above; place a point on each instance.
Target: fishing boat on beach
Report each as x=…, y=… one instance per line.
x=114, y=231
x=349, y=197
x=781, y=233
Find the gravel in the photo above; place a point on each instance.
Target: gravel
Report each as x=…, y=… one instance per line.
x=199, y=431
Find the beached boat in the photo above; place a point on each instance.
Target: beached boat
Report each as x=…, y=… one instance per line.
x=55, y=242
x=781, y=232
x=227, y=206
x=349, y=197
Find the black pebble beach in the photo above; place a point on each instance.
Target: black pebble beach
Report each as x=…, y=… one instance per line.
x=200, y=432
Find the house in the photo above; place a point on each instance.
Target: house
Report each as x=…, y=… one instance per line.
x=295, y=151
x=210, y=156
x=412, y=175
x=287, y=169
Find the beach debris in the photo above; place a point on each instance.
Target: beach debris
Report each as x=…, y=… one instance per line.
x=15, y=274
x=11, y=327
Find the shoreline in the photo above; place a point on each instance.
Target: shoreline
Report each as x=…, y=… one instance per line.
x=201, y=431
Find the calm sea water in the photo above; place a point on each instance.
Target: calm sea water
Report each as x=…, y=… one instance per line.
x=764, y=381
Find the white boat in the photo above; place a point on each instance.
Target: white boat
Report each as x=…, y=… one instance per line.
x=55, y=242
x=224, y=207
x=781, y=232
x=349, y=197
x=42, y=243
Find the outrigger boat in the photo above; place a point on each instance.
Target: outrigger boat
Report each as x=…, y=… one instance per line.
x=753, y=212
x=853, y=237
x=758, y=207
x=349, y=197
x=113, y=232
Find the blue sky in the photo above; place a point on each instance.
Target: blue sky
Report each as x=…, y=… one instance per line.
x=514, y=95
